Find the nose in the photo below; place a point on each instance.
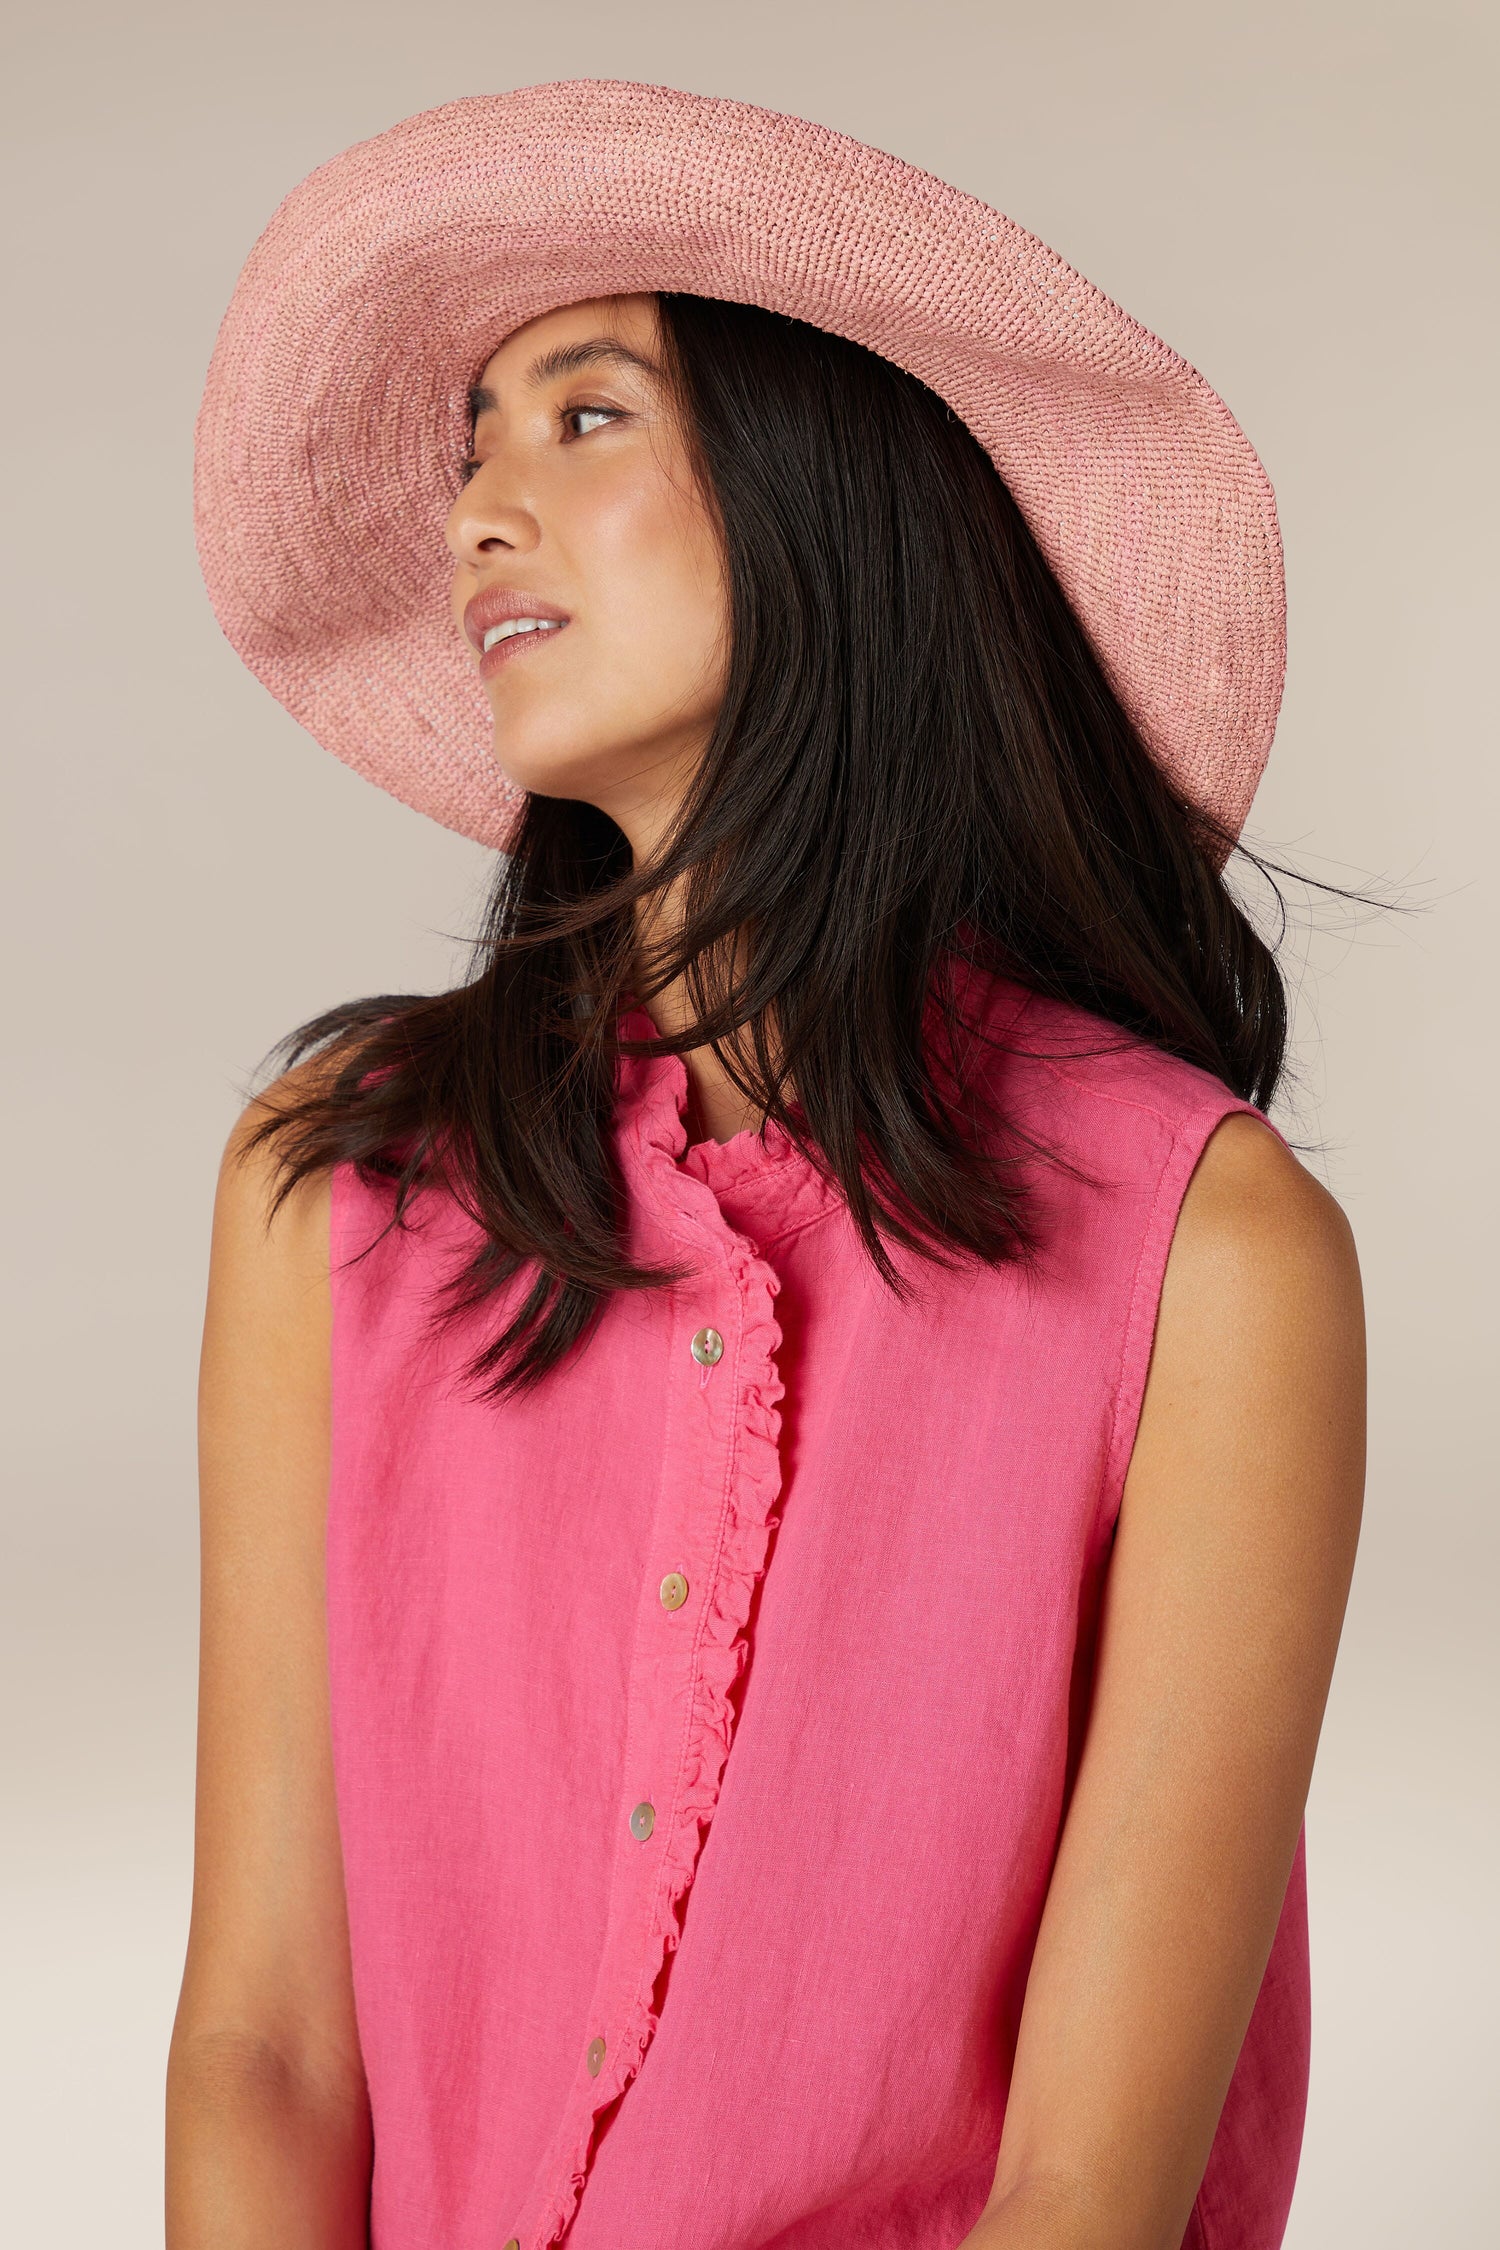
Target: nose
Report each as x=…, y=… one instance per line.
x=486, y=519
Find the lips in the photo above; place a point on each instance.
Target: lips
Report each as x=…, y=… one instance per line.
x=495, y=604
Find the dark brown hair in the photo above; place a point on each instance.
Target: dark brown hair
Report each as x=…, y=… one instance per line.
x=918, y=757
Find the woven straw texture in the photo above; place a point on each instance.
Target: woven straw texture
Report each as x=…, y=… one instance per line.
x=336, y=402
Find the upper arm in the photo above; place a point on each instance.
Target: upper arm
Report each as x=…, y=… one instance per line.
x=1221, y=1613
x=267, y=1965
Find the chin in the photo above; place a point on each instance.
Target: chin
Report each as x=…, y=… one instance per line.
x=544, y=772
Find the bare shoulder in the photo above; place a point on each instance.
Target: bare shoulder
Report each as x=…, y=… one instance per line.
x=268, y=1295
x=1258, y=1239
x=281, y=1234
x=1257, y=1369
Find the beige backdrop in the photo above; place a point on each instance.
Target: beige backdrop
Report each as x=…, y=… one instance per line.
x=1294, y=195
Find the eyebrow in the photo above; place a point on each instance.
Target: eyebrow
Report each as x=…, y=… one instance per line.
x=570, y=359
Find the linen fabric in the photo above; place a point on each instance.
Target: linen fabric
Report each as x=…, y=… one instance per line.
x=704, y=1726
x=335, y=408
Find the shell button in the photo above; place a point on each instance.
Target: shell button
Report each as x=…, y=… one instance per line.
x=708, y=1347
x=674, y=1590
x=595, y=2057
x=642, y=1821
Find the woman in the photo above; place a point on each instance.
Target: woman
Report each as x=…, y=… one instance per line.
x=782, y=1467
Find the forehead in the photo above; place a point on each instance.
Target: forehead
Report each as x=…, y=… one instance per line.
x=631, y=320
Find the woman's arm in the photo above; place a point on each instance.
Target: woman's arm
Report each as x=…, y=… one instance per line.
x=268, y=2137
x=1221, y=1617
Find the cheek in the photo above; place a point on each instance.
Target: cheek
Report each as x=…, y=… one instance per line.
x=658, y=583
x=460, y=591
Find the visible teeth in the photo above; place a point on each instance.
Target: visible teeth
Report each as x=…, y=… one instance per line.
x=520, y=625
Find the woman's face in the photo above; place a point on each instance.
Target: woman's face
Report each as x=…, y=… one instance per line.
x=580, y=512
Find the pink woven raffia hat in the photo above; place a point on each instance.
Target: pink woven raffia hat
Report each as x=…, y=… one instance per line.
x=338, y=394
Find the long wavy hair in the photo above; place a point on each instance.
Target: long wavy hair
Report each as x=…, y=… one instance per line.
x=918, y=760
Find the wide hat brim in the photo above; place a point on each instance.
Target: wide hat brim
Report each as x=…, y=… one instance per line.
x=337, y=399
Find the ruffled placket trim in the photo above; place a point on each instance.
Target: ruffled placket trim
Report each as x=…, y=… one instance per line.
x=743, y=1392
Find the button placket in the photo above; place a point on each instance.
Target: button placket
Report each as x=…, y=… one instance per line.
x=703, y=1451
x=697, y=1479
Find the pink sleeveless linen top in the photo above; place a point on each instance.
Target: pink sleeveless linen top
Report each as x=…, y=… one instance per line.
x=704, y=1722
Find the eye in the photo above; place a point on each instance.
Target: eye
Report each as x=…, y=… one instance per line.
x=594, y=416
x=596, y=413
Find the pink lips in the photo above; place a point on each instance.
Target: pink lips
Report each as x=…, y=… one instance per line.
x=494, y=605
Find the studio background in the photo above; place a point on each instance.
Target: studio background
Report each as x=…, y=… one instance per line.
x=1295, y=197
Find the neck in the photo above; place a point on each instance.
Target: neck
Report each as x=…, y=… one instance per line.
x=717, y=1109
